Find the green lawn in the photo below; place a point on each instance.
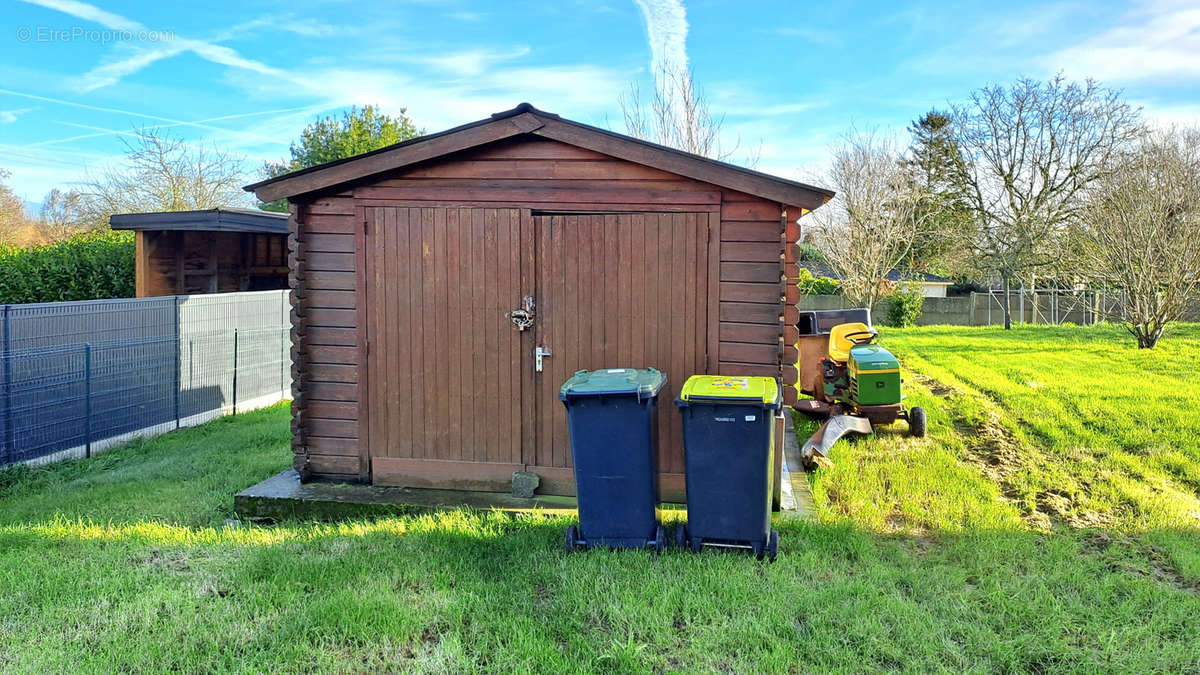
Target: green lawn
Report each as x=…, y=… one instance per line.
x=1049, y=522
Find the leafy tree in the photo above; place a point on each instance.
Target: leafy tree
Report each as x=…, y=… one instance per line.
x=934, y=161
x=358, y=130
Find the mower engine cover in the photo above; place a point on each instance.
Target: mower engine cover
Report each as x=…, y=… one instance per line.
x=874, y=376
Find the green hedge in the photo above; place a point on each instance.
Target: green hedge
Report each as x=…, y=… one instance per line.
x=87, y=266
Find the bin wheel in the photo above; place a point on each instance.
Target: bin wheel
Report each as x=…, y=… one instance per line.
x=572, y=538
x=697, y=544
x=660, y=539
x=916, y=422
x=681, y=538
x=760, y=550
x=773, y=545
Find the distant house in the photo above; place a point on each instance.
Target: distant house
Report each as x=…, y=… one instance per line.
x=209, y=251
x=932, y=285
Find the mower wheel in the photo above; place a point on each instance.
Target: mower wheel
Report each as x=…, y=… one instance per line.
x=916, y=422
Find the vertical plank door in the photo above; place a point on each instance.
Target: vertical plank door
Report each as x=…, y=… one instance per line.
x=623, y=290
x=444, y=363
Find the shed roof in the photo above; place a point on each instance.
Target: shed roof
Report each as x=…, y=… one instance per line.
x=207, y=220
x=526, y=119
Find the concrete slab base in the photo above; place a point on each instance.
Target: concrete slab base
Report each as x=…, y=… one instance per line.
x=283, y=496
x=797, y=493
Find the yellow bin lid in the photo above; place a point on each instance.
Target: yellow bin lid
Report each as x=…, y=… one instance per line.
x=758, y=389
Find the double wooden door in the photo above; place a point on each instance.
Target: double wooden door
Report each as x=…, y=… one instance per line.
x=454, y=395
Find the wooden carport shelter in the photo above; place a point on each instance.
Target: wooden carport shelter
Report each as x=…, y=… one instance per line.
x=207, y=251
x=407, y=262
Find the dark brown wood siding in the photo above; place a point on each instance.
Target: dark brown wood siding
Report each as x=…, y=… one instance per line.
x=621, y=290
x=743, y=278
x=326, y=338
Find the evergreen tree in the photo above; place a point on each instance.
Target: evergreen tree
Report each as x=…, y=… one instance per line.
x=935, y=161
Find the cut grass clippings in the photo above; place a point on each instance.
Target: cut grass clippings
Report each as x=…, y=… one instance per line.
x=1028, y=532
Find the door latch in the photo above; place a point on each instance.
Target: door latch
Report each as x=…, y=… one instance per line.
x=522, y=318
x=539, y=353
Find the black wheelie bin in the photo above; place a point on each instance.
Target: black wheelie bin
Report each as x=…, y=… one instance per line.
x=612, y=420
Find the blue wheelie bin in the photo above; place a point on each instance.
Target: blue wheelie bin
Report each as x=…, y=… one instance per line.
x=728, y=449
x=612, y=418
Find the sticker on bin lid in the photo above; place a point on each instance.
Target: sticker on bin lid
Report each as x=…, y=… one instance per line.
x=755, y=388
x=730, y=383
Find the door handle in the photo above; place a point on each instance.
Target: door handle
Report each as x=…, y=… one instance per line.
x=539, y=353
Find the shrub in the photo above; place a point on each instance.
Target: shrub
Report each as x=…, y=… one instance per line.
x=810, y=253
x=87, y=266
x=904, y=307
x=810, y=285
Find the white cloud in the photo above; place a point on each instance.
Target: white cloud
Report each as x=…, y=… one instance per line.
x=1168, y=115
x=667, y=30
x=10, y=116
x=472, y=61
x=1160, y=40
x=134, y=59
x=82, y=10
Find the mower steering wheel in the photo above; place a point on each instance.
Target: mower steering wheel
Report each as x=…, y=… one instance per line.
x=861, y=337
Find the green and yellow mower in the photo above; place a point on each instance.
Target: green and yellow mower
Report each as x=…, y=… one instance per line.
x=854, y=382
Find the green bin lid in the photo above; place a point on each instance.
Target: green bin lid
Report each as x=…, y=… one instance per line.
x=644, y=382
x=757, y=389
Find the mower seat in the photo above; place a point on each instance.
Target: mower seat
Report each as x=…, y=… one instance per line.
x=839, y=346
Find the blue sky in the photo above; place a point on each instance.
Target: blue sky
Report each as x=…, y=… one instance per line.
x=791, y=76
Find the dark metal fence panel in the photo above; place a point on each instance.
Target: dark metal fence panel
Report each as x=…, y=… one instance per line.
x=77, y=377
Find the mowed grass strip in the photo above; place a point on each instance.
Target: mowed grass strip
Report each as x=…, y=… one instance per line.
x=925, y=557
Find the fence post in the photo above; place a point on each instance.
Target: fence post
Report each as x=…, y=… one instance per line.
x=235, y=369
x=87, y=406
x=284, y=334
x=178, y=346
x=9, y=432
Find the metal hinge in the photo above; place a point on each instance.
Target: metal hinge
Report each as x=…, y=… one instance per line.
x=365, y=231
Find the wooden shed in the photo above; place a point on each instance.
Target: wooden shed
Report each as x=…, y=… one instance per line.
x=408, y=263
x=207, y=251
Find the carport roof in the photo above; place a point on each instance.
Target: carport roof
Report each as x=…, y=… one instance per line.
x=207, y=220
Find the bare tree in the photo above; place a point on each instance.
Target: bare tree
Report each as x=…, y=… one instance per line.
x=162, y=173
x=1030, y=149
x=677, y=115
x=870, y=225
x=1143, y=223
x=62, y=214
x=13, y=221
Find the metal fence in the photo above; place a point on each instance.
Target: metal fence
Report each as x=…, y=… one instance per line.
x=78, y=377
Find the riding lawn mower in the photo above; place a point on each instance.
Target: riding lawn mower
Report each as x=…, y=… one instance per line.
x=854, y=382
